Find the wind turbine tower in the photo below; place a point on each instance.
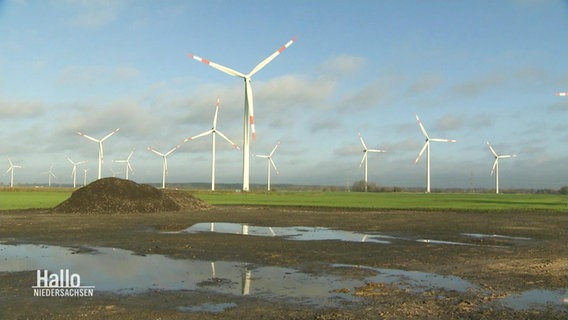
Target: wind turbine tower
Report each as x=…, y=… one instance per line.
x=213, y=132
x=11, y=170
x=248, y=121
x=426, y=147
x=365, y=157
x=495, y=168
x=100, y=142
x=164, y=162
x=269, y=162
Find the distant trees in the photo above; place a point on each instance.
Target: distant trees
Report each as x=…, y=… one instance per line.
x=359, y=186
x=563, y=190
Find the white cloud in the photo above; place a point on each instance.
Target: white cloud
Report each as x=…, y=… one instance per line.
x=10, y=108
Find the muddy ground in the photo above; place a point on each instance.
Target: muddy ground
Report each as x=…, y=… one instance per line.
x=513, y=267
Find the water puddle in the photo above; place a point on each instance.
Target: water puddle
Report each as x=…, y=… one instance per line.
x=208, y=307
x=453, y=243
x=536, y=298
x=291, y=233
x=494, y=236
x=121, y=271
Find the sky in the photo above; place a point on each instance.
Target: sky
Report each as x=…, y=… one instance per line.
x=474, y=71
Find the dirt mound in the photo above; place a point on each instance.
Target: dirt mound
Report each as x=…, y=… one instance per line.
x=113, y=195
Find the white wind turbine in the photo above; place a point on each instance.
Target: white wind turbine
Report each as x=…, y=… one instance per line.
x=269, y=162
x=50, y=175
x=495, y=168
x=127, y=161
x=213, y=132
x=164, y=162
x=74, y=171
x=365, y=157
x=562, y=94
x=248, y=123
x=100, y=142
x=427, y=147
x=85, y=177
x=11, y=170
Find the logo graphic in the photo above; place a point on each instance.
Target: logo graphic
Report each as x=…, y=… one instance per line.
x=62, y=284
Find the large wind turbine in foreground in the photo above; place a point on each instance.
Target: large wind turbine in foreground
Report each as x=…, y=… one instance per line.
x=496, y=165
x=127, y=161
x=427, y=147
x=11, y=170
x=100, y=142
x=269, y=162
x=74, y=171
x=213, y=132
x=164, y=162
x=248, y=127
x=365, y=157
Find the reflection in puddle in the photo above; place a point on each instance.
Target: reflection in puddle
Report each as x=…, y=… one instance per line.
x=209, y=307
x=431, y=241
x=291, y=233
x=494, y=236
x=532, y=298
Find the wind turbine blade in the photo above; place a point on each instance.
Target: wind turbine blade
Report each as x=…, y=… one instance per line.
x=492, y=150
x=562, y=94
x=421, y=151
x=208, y=132
x=217, y=66
x=81, y=162
x=130, y=155
x=494, y=165
x=216, y=114
x=273, y=165
x=422, y=127
x=362, y=142
x=376, y=150
x=70, y=161
x=505, y=156
x=273, y=150
x=110, y=134
x=172, y=150
x=363, y=159
x=266, y=61
x=263, y=156
x=227, y=139
x=129, y=166
x=250, y=106
x=156, y=152
x=442, y=140
x=88, y=137
x=11, y=164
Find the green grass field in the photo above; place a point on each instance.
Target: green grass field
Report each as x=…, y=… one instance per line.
x=47, y=198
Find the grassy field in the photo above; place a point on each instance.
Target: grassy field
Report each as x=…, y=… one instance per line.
x=47, y=198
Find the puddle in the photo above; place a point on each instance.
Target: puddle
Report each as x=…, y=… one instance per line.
x=532, y=298
x=291, y=233
x=432, y=241
x=494, y=236
x=208, y=307
x=121, y=271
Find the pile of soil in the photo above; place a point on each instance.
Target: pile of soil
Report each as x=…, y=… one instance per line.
x=114, y=196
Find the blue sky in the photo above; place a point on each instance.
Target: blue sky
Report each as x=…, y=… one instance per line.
x=474, y=71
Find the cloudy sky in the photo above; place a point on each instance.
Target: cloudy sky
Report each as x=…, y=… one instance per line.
x=474, y=71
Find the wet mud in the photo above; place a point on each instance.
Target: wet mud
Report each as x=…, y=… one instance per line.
x=289, y=263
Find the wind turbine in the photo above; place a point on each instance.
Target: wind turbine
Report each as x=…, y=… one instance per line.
x=213, y=132
x=74, y=171
x=11, y=170
x=164, y=162
x=496, y=165
x=50, y=175
x=562, y=94
x=248, y=123
x=365, y=157
x=269, y=162
x=100, y=142
x=85, y=177
x=427, y=147
x=127, y=161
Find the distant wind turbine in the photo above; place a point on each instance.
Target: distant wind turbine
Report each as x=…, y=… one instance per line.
x=427, y=147
x=50, y=175
x=213, y=132
x=495, y=168
x=11, y=170
x=562, y=94
x=74, y=171
x=85, y=177
x=269, y=162
x=100, y=142
x=164, y=162
x=249, y=105
x=127, y=161
x=365, y=157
